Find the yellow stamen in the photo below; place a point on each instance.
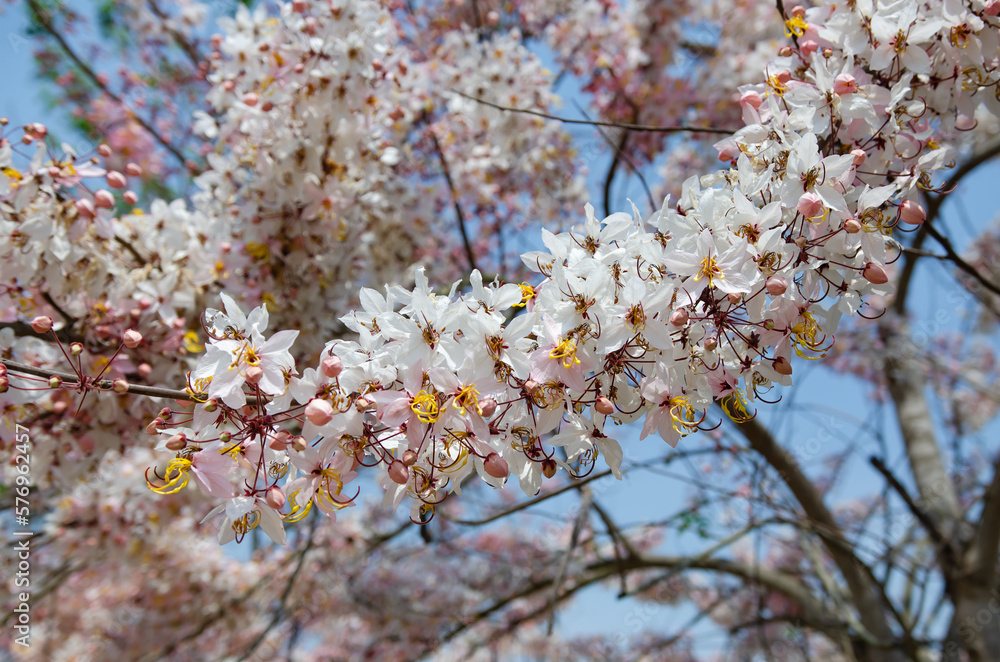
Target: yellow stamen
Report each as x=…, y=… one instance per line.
x=565, y=350
x=796, y=25
x=468, y=397
x=425, y=406
x=736, y=407
x=710, y=270
x=175, y=478
x=527, y=294
x=297, y=512
x=685, y=421
x=191, y=343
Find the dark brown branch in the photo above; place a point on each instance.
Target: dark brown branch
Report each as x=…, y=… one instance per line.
x=933, y=209
x=575, y=485
x=71, y=380
x=986, y=545
x=469, y=255
x=914, y=507
x=615, y=125
x=866, y=593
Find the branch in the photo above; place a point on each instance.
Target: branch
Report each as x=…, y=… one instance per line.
x=469, y=255
x=933, y=209
x=867, y=599
x=918, y=512
x=280, y=611
x=574, y=539
x=575, y=485
x=42, y=15
x=982, y=559
x=71, y=380
x=615, y=125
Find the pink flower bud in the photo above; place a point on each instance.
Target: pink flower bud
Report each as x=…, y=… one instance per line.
x=783, y=76
x=604, y=406
x=399, y=473
x=267, y=106
x=992, y=8
x=254, y=374
x=60, y=407
x=784, y=51
x=119, y=386
x=130, y=197
x=116, y=179
x=808, y=47
x=776, y=285
x=496, y=466
x=852, y=226
x=299, y=6
x=133, y=169
x=131, y=338
x=782, y=366
x=710, y=342
x=752, y=99
x=965, y=123
x=275, y=497
x=859, y=156
x=4, y=384
x=728, y=152
x=176, y=442
x=492, y=19
x=145, y=303
x=144, y=370
x=363, y=404
x=299, y=68
x=155, y=425
x=409, y=458
x=827, y=53
x=299, y=443
x=42, y=324
x=912, y=213
x=332, y=366
x=875, y=273
x=280, y=441
x=845, y=84
x=319, y=412
x=798, y=11
x=549, y=468
x=680, y=317
x=810, y=205
x=104, y=150
x=76, y=349
x=40, y=130
x=250, y=99
x=85, y=208
x=487, y=407
x=734, y=298
x=531, y=386
x=104, y=199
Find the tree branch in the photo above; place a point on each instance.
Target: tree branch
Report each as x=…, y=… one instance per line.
x=866, y=596
x=615, y=125
x=41, y=14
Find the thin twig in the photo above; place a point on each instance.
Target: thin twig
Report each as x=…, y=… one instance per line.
x=616, y=125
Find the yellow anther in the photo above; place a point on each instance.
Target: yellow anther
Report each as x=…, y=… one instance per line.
x=796, y=26
x=175, y=478
x=565, y=350
x=527, y=294
x=425, y=406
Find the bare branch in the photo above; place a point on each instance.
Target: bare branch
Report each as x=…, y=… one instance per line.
x=615, y=125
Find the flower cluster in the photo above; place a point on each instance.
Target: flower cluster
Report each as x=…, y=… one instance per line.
x=704, y=301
